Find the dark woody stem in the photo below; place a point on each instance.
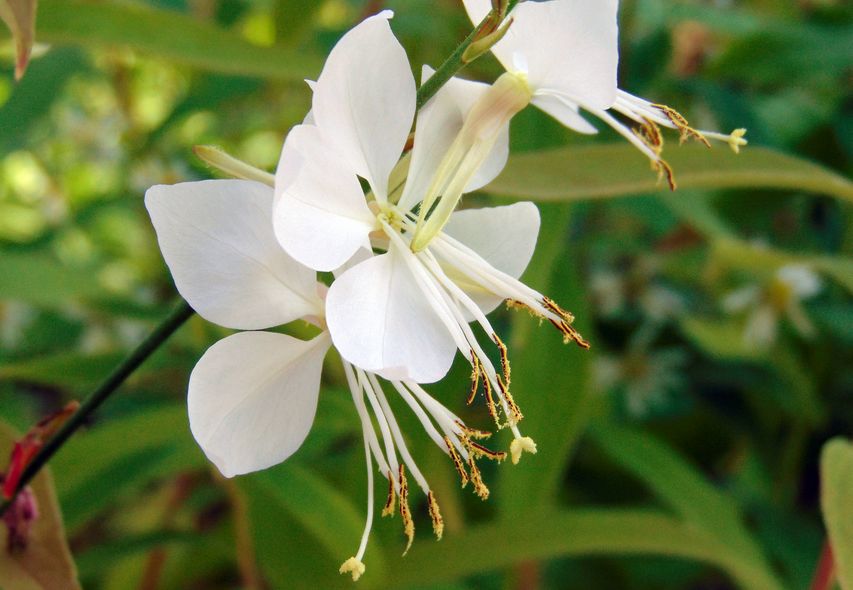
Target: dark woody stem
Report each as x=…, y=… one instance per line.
x=183, y=312
x=175, y=320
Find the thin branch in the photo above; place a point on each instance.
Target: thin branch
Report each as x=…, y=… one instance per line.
x=175, y=320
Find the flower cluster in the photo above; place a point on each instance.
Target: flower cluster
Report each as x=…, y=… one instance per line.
x=412, y=278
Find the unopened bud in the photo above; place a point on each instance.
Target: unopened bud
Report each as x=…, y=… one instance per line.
x=231, y=166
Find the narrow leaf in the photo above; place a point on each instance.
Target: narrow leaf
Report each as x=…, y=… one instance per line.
x=168, y=34
x=550, y=380
x=550, y=534
x=836, y=466
x=614, y=170
x=677, y=483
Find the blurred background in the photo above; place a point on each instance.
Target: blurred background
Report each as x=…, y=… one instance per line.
x=681, y=452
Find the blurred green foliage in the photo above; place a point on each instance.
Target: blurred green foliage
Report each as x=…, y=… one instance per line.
x=681, y=452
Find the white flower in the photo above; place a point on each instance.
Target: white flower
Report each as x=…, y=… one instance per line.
x=767, y=304
x=567, y=53
x=253, y=395
x=645, y=379
x=404, y=312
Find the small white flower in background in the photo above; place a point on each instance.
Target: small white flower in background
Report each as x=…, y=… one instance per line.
x=566, y=54
x=638, y=285
x=645, y=379
x=404, y=312
x=253, y=395
x=767, y=304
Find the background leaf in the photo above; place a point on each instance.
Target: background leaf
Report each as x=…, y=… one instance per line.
x=600, y=171
x=837, y=502
x=168, y=34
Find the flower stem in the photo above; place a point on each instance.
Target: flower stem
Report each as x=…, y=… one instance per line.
x=108, y=387
x=824, y=576
x=454, y=63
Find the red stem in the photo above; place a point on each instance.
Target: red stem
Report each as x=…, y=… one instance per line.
x=824, y=576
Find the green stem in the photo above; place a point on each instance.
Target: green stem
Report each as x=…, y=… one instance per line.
x=454, y=63
x=168, y=327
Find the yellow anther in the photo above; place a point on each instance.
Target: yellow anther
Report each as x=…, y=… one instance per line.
x=552, y=305
x=388, y=510
x=519, y=446
x=515, y=412
x=478, y=451
x=505, y=368
x=473, y=432
x=490, y=402
x=476, y=371
x=480, y=488
x=457, y=461
x=354, y=567
x=664, y=170
x=682, y=124
x=649, y=133
x=405, y=513
x=435, y=515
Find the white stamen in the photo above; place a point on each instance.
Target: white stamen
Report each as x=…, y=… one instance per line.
x=366, y=424
x=390, y=452
x=398, y=435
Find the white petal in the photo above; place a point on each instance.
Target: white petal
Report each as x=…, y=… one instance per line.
x=505, y=237
x=802, y=280
x=565, y=112
x=252, y=399
x=568, y=45
x=364, y=101
x=217, y=239
x=439, y=122
x=320, y=214
x=381, y=321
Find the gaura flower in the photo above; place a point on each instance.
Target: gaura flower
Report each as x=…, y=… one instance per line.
x=253, y=395
x=767, y=304
x=564, y=55
x=403, y=312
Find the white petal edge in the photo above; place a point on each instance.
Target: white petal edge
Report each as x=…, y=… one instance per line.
x=364, y=100
x=505, y=237
x=568, y=45
x=439, y=122
x=320, y=214
x=252, y=398
x=565, y=112
x=217, y=239
x=381, y=321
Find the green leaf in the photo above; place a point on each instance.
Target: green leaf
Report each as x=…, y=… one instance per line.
x=677, y=483
x=168, y=34
x=42, y=280
x=129, y=451
x=31, y=97
x=68, y=371
x=613, y=170
x=836, y=467
x=46, y=563
x=550, y=534
x=549, y=379
x=746, y=256
x=721, y=339
x=304, y=528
